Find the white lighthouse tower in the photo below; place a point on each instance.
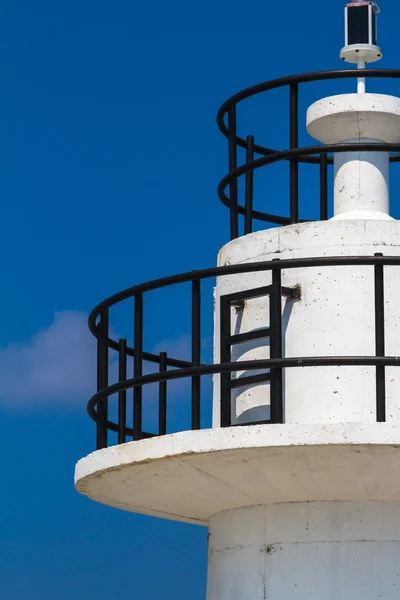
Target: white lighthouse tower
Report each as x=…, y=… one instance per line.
x=298, y=480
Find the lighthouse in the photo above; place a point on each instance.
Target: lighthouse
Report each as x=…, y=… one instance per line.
x=297, y=479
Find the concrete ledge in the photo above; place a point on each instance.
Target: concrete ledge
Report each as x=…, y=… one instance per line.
x=352, y=116
x=190, y=476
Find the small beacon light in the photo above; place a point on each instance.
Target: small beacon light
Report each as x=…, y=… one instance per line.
x=360, y=36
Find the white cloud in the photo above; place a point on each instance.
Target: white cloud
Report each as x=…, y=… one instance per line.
x=57, y=364
x=179, y=348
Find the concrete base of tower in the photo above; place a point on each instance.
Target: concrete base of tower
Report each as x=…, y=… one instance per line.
x=306, y=551
x=193, y=475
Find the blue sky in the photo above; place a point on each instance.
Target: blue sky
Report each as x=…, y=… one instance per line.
x=110, y=157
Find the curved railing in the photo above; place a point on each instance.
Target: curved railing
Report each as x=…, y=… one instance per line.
x=227, y=123
x=169, y=368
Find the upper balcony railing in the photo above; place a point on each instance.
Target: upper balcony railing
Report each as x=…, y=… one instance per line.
x=257, y=155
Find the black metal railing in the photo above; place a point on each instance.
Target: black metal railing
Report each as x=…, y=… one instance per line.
x=169, y=368
x=228, y=189
x=128, y=424
x=273, y=333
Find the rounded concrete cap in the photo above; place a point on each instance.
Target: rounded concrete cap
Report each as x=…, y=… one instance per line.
x=352, y=116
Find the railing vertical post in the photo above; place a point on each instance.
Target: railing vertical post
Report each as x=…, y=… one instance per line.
x=380, y=341
x=248, y=219
x=225, y=357
x=275, y=323
x=102, y=379
x=138, y=366
x=162, y=397
x=294, y=164
x=122, y=394
x=196, y=350
x=233, y=187
x=323, y=186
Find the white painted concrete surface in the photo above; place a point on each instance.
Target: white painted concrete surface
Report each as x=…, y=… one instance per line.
x=306, y=551
x=307, y=510
x=193, y=475
x=334, y=317
x=361, y=180
x=361, y=183
x=338, y=118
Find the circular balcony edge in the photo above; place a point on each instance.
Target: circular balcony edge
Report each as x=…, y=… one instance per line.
x=191, y=475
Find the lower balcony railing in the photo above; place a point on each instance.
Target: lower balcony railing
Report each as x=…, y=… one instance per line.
x=169, y=368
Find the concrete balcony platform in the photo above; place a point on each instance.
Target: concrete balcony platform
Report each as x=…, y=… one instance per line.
x=193, y=475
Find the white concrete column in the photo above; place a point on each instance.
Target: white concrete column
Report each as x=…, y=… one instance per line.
x=333, y=317
x=361, y=188
x=306, y=551
x=361, y=183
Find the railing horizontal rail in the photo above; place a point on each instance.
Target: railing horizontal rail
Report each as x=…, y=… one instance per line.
x=147, y=356
x=288, y=154
x=212, y=369
x=254, y=267
x=287, y=81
